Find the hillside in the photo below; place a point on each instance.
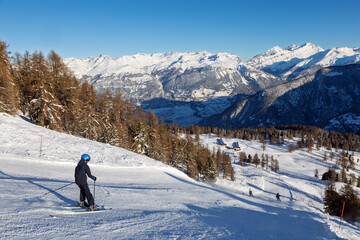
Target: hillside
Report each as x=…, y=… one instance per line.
x=151, y=200
x=327, y=99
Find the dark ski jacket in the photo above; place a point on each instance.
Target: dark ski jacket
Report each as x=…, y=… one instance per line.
x=81, y=170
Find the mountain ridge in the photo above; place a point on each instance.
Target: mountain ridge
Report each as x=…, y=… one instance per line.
x=190, y=81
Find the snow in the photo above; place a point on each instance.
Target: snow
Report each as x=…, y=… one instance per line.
x=151, y=200
x=333, y=74
x=295, y=61
x=279, y=55
x=148, y=63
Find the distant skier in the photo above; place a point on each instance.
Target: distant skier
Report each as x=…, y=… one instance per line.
x=81, y=170
x=250, y=192
x=278, y=197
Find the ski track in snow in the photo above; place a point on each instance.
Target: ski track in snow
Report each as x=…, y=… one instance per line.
x=150, y=200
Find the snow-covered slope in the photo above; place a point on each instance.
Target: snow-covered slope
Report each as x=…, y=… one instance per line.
x=339, y=56
x=295, y=61
x=150, y=200
x=278, y=59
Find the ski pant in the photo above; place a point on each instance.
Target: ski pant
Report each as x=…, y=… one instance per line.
x=85, y=192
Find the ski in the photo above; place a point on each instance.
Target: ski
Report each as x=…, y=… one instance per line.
x=77, y=209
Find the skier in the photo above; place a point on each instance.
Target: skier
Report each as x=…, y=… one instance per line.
x=250, y=192
x=81, y=170
x=278, y=197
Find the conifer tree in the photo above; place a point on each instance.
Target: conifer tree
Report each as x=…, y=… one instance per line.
x=190, y=163
x=242, y=158
x=256, y=160
x=210, y=171
x=140, y=138
x=352, y=203
x=156, y=143
x=219, y=160
x=332, y=200
x=324, y=157
x=45, y=109
x=9, y=100
x=263, y=163
x=228, y=170
x=249, y=158
x=276, y=166
x=291, y=148
x=22, y=76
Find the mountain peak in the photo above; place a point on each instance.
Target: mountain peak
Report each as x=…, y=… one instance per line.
x=279, y=55
x=273, y=51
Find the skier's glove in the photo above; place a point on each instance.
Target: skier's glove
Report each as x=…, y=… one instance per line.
x=94, y=178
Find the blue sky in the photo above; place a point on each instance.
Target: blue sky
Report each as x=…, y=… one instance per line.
x=79, y=28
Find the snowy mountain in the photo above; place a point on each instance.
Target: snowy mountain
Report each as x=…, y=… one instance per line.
x=188, y=88
x=296, y=61
x=278, y=60
x=187, y=76
x=150, y=200
x=328, y=99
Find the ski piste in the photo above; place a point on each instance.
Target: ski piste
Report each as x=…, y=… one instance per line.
x=77, y=209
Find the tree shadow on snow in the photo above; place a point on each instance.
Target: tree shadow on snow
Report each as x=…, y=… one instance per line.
x=34, y=181
x=134, y=187
x=277, y=225
x=274, y=222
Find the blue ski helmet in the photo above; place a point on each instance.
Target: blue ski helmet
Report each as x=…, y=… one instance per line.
x=85, y=157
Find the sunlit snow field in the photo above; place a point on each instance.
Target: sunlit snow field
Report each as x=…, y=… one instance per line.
x=150, y=200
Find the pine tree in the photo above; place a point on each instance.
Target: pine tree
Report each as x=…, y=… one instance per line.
x=324, y=157
x=332, y=200
x=210, y=172
x=228, y=170
x=291, y=148
x=45, y=109
x=141, y=140
x=343, y=176
x=330, y=175
x=272, y=163
x=263, y=163
x=22, y=75
x=9, y=100
x=249, y=158
x=277, y=166
x=352, y=203
x=310, y=144
x=331, y=155
x=190, y=163
x=242, y=158
x=256, y=160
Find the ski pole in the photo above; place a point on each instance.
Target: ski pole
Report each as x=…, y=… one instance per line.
x=54, y=190
x=94, y=192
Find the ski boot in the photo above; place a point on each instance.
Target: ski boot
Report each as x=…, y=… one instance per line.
x=93, y=208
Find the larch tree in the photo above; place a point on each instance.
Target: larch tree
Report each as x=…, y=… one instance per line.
x=22, y=74
x=9, y=99
x=45, y=109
